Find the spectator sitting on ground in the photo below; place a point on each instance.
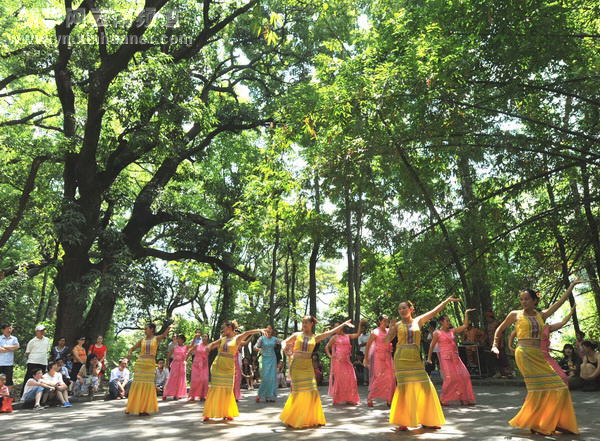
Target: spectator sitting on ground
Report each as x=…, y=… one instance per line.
x=55, y=379
x=62, y=368
x=61, y=350
x=281, y=380
x=33, y=390
x=119, y=384
x=589, y=372
x=87, y=378
x=247, y=374
x=162, y=375
x=5, y=399
x=571, y=361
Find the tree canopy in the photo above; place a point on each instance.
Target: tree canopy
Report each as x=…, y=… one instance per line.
x=267, y=159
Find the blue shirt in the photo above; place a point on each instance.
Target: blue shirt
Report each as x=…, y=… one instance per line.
x=8, y=358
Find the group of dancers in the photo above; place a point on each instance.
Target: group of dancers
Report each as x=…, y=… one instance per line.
x=399, y=379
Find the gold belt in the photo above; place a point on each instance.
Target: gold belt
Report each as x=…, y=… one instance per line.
x=302, y=354
x=225, y=354
x=530, y=343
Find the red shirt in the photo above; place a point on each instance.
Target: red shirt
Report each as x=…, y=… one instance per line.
x=99, y=351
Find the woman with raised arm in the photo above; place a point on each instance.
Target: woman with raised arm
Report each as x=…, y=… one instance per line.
x=220, y=401
x=268, y=381
x=303, y=406
x=548, y=406
x=415, y=400
x=199, y=382
x=378, y=358
x=545, y=344
x=457, y=380
x=343, y=387
x=142, y=395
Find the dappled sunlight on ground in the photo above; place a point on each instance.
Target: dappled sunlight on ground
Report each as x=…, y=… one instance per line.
x=182, y=420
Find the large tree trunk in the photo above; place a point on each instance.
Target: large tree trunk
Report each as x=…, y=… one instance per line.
x=314, y=254
x=349, y=250
x=273, y=284
x=460, y=269
x=562, y=250
x=228, y=296
x=480, y=297
x=357, y=273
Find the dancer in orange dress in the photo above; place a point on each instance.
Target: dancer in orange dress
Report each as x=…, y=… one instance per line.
x=548, y=406
x=457, y=380
x=415, y=399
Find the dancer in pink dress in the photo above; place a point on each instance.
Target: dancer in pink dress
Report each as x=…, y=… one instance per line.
x=176, y=386
x=342, y=378
x=457, y=381
x=545, y=344
x=378, y=358
x=199, y=381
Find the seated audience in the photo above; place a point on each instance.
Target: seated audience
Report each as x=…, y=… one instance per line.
x=88, y=378
x=118, y=386
x=33, y=390
x=281, y=380
x=570, y=362
x=5, y=399
x=162, y=375
x=247, y=374
x=55, y=379
x=60, y=351
x=589, y=371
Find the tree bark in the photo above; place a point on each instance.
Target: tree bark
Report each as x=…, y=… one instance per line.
x=273, y=284
x=349, y=249
x=314, y=252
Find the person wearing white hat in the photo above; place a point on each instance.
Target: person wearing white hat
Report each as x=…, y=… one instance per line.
x=37, y=352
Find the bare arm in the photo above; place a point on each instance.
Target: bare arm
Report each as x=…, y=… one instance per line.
x=557, y=326
x=247, y=334
x=511, y=341
x=392, y=332
x=554, y=307
x=212, y=345
x=162, y=336
x=328, y=346
x=191, y=349
x=428, y=315
x=465, y=324
x=509, y=320
x=361, y=328
x=324, y=335
x=434, y=340
x=133, y=348
x=368, y=348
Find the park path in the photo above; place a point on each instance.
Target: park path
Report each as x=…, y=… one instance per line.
x=179, y=420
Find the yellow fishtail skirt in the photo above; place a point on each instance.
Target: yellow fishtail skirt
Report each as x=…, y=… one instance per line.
x=415, y=400
x=548, y=404
x=220, y=400
x=303, y=407
x=142, y=395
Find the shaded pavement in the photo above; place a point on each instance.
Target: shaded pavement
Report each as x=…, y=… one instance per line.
x=180, y=420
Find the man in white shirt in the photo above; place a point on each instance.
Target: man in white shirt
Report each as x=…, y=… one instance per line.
x=8, y=345
x=363, y=339
x=162, y=375
x=37, y=352
x=118, y=386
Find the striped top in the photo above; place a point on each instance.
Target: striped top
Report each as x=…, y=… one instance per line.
x=408, y=334
x=304, y=343
x=529, y=326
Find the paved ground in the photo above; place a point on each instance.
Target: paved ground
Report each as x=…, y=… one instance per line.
x=179, y=420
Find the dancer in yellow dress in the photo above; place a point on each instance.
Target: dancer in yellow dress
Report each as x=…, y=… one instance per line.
x=142, y=395
x=303, y=407
x=548, y=406
x=220, y=400
x=415, y=400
